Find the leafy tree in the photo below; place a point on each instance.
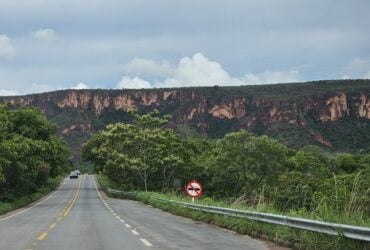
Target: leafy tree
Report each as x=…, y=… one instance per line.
x=241, y=165
x=30, y=152
x=229, y=164
x=349, y=163
x=298, y=186
x=143, y=147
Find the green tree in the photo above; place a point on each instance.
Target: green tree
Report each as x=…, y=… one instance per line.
x=144, y=147
x=30, y=152
x=242, y=165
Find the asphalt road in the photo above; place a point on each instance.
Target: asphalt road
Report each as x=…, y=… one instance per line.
x=78, y=216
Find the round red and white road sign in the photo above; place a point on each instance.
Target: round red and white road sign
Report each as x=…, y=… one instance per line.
x=194, y=189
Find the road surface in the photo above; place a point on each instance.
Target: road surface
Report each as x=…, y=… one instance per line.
x=77, y=216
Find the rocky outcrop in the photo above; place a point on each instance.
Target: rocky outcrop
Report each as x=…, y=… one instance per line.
x=235, y=109
x=81, y=128
x=336, y=107
x=364, y=106
x=198, y=106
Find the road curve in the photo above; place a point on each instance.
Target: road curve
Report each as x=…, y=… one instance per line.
x=77, y=216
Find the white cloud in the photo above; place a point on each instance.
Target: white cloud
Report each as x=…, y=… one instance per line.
x=146, y=67
x=44, y=34
x=200, y=71
x=272, y=77
x=6, y=47
x=80, y=85
x=4, y=92
x=197, y=70
x=367, y=76
x=133, y=83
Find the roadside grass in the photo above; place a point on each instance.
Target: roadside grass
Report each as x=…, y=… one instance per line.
x=295, y=238
x=6, y=207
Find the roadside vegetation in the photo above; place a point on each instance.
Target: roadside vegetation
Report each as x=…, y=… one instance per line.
x=240, y=170
x=295, y=238
x=32, y=157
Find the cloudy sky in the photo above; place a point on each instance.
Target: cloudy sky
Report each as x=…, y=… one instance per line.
x=56, y=44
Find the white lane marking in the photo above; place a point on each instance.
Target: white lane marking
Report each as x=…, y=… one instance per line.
x=146, y=243
x=38, y=203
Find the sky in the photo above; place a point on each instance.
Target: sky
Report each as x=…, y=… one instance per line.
x=48, y=45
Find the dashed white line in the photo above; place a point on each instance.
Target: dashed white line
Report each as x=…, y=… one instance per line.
x=134, y=232
x=146, y=243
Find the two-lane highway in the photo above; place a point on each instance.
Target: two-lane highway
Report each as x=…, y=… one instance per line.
x=76, y=216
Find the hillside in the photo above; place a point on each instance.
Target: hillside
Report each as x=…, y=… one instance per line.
x=334, y=114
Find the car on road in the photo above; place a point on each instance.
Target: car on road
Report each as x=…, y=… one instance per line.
x=73, y=175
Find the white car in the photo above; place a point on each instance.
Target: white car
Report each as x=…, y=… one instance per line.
x=73, y=175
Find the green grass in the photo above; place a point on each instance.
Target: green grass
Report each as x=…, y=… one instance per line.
x=6, y=207
x=296, y=238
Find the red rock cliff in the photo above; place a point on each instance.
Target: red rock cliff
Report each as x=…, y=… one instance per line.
x=200, y=106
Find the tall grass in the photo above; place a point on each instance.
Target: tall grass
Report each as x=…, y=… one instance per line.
x=296, y=238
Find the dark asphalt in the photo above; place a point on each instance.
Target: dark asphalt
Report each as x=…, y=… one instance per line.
x=76, y=216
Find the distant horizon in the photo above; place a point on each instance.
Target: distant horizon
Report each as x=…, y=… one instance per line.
x=186, y=87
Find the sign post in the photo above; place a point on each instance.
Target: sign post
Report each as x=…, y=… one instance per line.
x=194, y=189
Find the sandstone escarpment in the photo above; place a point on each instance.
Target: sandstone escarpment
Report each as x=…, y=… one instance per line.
x=243, y=107
x=364, y=106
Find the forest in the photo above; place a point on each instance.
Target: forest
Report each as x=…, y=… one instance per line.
x=31, y=154
x=240, y=168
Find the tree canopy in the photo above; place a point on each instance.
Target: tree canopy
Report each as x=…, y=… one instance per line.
x=30, y=152
x=241, y=167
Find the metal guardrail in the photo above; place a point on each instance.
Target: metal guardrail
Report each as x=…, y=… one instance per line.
x=113, y=191
x=348, y=231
